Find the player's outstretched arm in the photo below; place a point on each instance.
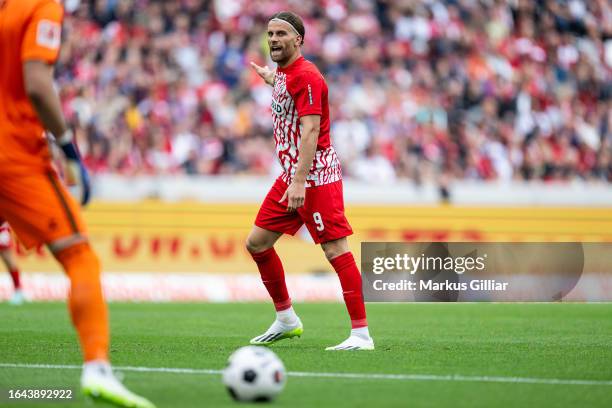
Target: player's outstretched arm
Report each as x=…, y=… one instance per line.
x=296, y=192
x=265, y=73
x=38, y=78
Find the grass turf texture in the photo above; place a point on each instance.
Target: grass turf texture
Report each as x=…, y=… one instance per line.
x=562, y=341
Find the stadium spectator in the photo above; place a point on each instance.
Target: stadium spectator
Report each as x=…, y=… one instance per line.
x=467, y=89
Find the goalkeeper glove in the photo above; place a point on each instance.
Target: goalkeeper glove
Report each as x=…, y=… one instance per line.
x=76, y=173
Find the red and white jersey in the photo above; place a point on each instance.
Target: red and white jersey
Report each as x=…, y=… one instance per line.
x=300, y=90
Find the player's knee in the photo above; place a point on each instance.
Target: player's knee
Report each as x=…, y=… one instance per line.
x=331, y=252
x=254, y=245
x=7, y=258
x=11, y=264
x=80, y=262
x=334, y=249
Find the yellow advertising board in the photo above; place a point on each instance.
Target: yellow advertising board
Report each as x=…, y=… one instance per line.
x=182, y=237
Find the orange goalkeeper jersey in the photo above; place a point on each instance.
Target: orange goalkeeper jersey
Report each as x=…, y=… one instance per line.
x=29, y=30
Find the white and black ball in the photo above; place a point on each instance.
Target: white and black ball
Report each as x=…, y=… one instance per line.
x=254, y=374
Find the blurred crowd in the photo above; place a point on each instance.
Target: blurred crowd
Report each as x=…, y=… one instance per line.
x=426, y=90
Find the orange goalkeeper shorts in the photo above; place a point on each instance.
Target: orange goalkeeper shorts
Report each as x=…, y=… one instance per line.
x=38, y=207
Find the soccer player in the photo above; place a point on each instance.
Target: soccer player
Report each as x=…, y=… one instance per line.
x=6, y=253
x=309, y=190
x=33, y=199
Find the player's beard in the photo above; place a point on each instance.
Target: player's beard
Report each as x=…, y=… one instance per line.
x=281, y=56
x=278, y=56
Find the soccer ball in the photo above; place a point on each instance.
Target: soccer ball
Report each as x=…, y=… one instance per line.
x=254, y=373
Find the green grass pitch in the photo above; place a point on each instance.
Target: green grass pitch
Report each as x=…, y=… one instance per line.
x=533, y=341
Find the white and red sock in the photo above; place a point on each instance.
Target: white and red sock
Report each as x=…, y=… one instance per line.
x=287, y=316
x=361, y=332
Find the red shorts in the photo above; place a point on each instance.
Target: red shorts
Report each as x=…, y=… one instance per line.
x=5, y=236
x=322, y=212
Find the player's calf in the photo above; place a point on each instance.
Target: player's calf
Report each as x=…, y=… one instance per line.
x=350, y=280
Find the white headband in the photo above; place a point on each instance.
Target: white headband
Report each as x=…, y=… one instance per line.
x=280, y=20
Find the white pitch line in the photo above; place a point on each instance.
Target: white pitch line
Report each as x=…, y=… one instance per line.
x=359, y=376
x=124, y=368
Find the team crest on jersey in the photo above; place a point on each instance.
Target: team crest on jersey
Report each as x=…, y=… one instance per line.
x=49, y=34
x=280, y=84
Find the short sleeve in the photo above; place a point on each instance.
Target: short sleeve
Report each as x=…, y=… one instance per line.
x=43, y=34
x=307, y=93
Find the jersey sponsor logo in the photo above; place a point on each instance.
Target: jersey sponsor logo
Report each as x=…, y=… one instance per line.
x=49, y=34
x=277, y=108
x=309, y=94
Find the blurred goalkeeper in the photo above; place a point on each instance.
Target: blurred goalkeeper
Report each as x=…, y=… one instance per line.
x=33, y=200
x=309, y=190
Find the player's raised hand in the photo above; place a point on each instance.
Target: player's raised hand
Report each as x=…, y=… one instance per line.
x=265, y=73
x=295, y=196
